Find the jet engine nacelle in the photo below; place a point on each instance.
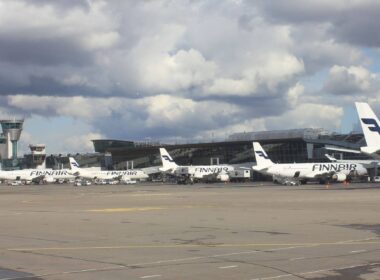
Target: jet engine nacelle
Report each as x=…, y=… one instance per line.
x=125, y=179
x=223, y=177
x=339, y=177
x=49, y=179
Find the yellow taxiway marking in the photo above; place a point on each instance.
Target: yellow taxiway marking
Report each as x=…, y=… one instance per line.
x=143, y=246
x=147, y=208
x=152, y=194
x=130, y=209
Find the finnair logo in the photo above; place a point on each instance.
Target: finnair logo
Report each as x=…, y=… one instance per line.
x=262, y=154
x=167, y=158
x=74, y=164
x=372, y=125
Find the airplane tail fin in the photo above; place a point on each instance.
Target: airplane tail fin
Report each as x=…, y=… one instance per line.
x=262, y=159
x=167, y=161
x=370, y=124
x=73, y=164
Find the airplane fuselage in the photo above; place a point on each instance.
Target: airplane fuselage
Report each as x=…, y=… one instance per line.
x=113, y=174
x=199, y=171
x=30, y=174
x=312, y=170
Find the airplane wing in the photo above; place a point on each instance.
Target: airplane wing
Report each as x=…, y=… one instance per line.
x=339, y=149
x=331, y=158
x=152, y=170
x=335, y=176
x=289, y=181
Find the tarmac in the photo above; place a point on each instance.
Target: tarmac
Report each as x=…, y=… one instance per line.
x=247, y=231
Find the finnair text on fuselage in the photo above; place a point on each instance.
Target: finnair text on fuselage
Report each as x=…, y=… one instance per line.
x=211, y=169
x=334, y=166
x=121, y=173
x=49, y=173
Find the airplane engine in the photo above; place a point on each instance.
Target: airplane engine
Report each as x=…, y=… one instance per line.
x=49, y=179
x=125, y=179
x=223, y=177
x=339, y=177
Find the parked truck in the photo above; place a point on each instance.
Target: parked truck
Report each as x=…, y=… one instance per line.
x=240, y=175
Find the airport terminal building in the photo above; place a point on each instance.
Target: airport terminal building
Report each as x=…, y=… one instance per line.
x=282, y=146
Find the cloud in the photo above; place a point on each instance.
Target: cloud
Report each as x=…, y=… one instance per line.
x=81, y=143
x=294, y=94
x=76, y=107
x=309, y=115
x=348, y=21
x=273, y=70
x=189, y=69
x=164, y=73
x=351, y=80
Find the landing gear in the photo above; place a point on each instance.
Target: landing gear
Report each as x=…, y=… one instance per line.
x=185, y=180
x=324, y=182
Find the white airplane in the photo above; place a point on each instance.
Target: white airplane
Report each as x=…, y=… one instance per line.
x=195, y=171
x=367, y=163
x=371, y=129
x=125, y=176
x=37, y=175
x=323, y=172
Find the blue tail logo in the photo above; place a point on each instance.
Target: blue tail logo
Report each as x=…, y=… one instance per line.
x=372, y=125
x=262, y=154
x=167, y=158
x=74, y=164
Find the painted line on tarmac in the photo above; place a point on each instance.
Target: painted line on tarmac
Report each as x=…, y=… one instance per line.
x=297, y=259
x=109, y=268
x=127, y=266
x=150, y=276
x=148, y=208
x=231, y=245
x=314, y=272
x=152, y=194
x=227, y=267
x=358, y=251
x=130, y=209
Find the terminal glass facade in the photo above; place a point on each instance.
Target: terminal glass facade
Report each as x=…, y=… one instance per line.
x=286, y=146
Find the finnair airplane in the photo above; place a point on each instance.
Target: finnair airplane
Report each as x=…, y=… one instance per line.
x=120, y=175
x=195, y=171
x=323, y=172
x=37, y=175
x=371, y=129
x=367, y=163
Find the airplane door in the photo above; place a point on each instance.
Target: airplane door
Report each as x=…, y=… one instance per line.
x=297, y=174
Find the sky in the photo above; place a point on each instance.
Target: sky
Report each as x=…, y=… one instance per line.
x=184, y=70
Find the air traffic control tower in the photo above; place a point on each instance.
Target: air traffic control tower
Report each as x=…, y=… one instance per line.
x=11, y=130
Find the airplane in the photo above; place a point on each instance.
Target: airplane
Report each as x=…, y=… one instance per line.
x=303, y=172
x=198, y=172
x=37, y=175
x=367, y=163
x=125, y=176
x=371, y=129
